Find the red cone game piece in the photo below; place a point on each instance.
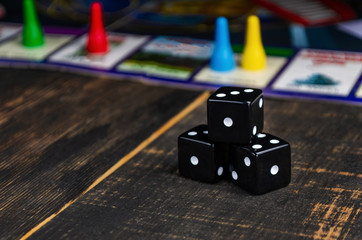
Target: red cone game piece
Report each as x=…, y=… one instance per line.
x=97, y=42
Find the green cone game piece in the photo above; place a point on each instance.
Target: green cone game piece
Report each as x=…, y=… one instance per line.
x=33, y=35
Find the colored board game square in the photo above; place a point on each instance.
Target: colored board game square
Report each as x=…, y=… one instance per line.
x=13, y=49
x=120, y=45
x=321, y=72
x=241, y=77
x=359, y=91
x=170, y=57
x=8, y=30
x=352, y=27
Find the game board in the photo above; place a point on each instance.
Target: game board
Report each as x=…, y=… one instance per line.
x=182, y=61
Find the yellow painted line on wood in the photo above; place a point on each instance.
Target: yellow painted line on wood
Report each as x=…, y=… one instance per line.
x=197, y=102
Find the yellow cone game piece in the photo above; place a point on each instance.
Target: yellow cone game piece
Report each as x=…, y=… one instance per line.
x=254, y=57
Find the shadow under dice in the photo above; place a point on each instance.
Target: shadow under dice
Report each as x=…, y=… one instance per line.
x=262, y=166
x=199, y=158
x=234, y=115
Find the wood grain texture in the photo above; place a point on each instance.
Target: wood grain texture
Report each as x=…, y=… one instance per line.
x=147, y=198
x=59, y=132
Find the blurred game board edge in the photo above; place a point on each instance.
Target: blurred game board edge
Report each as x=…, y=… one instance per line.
x=190, y=85
x=189, y=82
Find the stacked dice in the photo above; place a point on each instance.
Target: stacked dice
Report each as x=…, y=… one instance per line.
x=233, y=145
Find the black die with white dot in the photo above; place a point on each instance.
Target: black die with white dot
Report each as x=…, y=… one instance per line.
x=262, y=166
x=234, y=114
x=199, y=158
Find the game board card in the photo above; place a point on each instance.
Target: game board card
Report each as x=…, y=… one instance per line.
x=171, y=57
x=13, y=49
x=322, y=72
x=120, y=46
x=8, y=30
x=241, y=77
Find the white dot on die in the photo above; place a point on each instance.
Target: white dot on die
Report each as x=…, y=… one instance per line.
x=254, y=130
x=193, y=133
x=274, y=169
x=220, y=95
x=220, y=171
x=274, y=141
x=228, y=122
x=247, y=161
x=234, y=92
x=260, y=102
x=194, y=160
x=261, y=135
x=249, y=90
x=257, y=146
x=205, y=132
x=234, y=175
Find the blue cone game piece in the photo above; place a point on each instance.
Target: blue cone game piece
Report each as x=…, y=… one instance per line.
x=222, y=58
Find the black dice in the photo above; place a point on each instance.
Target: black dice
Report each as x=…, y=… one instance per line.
x=234, y=115
x=262, y=166
x=199, y=158
x=233, y=145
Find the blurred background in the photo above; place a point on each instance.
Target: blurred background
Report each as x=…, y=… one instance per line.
x=195, y=18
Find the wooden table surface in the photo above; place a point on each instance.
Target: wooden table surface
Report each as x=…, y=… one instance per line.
x=93, y=158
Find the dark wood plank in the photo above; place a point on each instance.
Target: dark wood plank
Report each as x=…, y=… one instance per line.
x=147, y=199
x=59, y=132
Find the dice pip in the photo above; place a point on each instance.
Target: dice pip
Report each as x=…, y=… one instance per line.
x=199, y=158
x=234, y=115
x=262, y=166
